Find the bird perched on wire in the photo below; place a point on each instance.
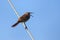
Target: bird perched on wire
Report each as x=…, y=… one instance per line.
x=23, y=18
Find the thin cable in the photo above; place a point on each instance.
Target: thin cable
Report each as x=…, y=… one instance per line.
x=13, y=8
x=28, y=31
x=24, y=25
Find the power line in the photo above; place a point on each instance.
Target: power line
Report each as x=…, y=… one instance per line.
x=24, y=25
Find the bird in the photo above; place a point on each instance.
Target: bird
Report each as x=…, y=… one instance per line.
x=23, y=18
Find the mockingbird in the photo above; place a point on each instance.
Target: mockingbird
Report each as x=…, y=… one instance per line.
x=23, y=18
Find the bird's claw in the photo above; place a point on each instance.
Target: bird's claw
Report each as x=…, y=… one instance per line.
x=26, y=28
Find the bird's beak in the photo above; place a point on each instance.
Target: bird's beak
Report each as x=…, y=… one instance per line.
x=31, y=15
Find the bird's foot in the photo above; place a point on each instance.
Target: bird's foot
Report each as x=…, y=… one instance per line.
x=26, y=28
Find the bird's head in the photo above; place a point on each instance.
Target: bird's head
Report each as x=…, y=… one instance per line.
x=29, y=13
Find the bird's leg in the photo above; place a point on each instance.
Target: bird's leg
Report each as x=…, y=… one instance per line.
x=25, y=26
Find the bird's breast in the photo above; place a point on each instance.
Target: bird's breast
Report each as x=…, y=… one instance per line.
x=24, y=18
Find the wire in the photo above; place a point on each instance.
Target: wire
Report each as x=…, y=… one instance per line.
x=28, y=31
x=13, y=8
x=24, y=25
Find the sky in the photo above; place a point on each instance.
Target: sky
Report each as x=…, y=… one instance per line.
x=44, y=25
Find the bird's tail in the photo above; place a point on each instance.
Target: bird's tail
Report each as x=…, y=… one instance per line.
x=15, y=24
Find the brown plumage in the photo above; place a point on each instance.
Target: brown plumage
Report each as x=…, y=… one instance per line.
x=23, y=18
